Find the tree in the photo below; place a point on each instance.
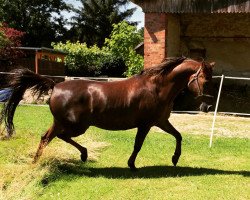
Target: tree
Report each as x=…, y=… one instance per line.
x=116, y=58
x=93, y=22
x=122, y=42
x=41, y=20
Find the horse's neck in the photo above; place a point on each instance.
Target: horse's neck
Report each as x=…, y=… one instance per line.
x=176, y=81
x=182, y=73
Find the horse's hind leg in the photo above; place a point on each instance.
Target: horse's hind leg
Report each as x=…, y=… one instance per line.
x=166, y=126
x=45, y=140
x=83, y=150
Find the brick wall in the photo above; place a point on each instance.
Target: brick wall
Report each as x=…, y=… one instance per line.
x=155, y=30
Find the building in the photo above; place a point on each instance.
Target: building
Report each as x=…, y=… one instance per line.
x=217, y=30
x=42, y=60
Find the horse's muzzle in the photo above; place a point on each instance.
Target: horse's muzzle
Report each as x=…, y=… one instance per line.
x=204, y=107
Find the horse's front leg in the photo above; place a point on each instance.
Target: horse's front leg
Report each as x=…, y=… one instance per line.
x=139, y=139
x=166, y=126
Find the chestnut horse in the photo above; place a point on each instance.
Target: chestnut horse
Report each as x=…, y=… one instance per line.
x=142, y=101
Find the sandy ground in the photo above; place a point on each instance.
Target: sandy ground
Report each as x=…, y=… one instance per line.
x=29, y=98
x=229, y=126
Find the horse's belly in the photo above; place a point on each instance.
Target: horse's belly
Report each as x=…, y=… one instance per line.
x=114, y=123
x=127, y=119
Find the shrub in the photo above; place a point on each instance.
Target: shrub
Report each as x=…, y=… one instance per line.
x=122, y=42
x=116, y=58
x=3, y=38
x=88, y=61
x=11, y=38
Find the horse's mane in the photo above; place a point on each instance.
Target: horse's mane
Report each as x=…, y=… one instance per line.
x=163, y=67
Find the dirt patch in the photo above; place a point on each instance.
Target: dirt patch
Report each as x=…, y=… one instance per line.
x=229, y=126
x=30, y=98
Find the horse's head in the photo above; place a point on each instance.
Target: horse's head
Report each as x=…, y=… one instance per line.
x=200, y=84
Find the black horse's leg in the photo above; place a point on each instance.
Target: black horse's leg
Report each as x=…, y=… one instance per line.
x=45, y=140
x=83, y=150
x=139, y=139
x=166, y=126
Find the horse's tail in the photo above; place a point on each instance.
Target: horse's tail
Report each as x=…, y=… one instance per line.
x=19, y=81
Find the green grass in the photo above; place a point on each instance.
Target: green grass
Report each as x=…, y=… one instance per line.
x=221, y=172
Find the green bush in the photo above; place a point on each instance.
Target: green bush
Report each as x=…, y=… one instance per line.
x=80, y=60
x=116, y=58
x=122, y=42
x=84, y=61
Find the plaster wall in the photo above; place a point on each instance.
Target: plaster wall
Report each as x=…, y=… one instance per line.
x=225, y=38
x=173, y=35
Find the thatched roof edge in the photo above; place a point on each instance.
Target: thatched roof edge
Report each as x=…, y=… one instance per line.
x=194, y=6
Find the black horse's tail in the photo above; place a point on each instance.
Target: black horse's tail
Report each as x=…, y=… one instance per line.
x=19, y=81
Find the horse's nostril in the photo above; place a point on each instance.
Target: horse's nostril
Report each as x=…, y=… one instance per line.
x=209, y=107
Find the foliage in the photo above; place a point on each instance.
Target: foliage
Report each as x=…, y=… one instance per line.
x=45, y=21
x=122, y=42
x=220, y=172
x=3, y=38
x=87, y=61
x=116, y=58
x=42, y=20
x=12, y=38
x=93, y=22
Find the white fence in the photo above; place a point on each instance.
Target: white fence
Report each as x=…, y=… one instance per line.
x=222, y=77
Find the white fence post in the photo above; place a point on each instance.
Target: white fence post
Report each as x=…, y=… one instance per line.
x=215, y=111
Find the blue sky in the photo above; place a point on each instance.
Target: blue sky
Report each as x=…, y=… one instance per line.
x=138, y=14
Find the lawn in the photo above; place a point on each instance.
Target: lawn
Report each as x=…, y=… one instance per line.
x=220, y=172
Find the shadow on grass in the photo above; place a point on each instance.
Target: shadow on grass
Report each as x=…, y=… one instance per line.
x=61, y=170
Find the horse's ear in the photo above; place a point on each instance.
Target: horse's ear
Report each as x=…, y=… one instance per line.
x=212, y=64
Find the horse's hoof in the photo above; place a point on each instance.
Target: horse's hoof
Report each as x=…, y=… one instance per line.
x=84, y=156
x=35, y=159
x=133, y=169
x=175, y=160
